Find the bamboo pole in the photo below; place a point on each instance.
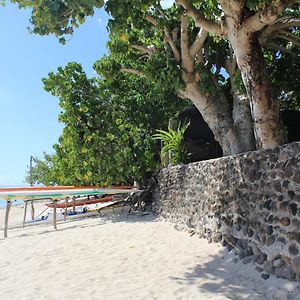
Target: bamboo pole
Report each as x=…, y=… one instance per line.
x=54, y=214
x=8, y=205
x=66, y=209
x=25, y=212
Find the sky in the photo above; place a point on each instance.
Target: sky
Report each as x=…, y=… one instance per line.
x=29, y=115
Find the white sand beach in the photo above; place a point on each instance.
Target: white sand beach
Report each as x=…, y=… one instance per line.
x=120, y=257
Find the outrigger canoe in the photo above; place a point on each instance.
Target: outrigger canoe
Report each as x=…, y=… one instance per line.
x=81, y=202
x=58, y=192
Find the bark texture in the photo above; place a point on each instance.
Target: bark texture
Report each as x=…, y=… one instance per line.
x=264, y=106
x=241, y=27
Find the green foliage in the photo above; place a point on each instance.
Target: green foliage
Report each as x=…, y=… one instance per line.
x=43, y=171
x=116, y=115
x=172, y=143
x=287, y=63
x=58, y=17
x=108, y=130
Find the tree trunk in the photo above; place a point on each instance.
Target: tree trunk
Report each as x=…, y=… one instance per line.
x=243, y=123
x=217, y=114
x=264, y=106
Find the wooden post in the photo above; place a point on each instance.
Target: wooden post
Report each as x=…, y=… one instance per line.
x=25, y=212
x=73, y=205
x=31, y=184
x=54, y=214
x=66, y=209
x=8, y=205
x=32, y=210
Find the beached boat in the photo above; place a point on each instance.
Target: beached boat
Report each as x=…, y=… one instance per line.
x=59, y=192
x=81, y=202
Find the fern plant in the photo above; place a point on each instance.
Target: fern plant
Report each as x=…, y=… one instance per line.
x=173, y=146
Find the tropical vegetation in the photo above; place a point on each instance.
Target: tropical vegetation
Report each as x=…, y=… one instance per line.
x=226, y=57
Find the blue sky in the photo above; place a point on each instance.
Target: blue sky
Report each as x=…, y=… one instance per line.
x=29, y=115
x=28, y=121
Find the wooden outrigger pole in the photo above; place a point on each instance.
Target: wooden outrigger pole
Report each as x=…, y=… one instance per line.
x=25, y=212
x=54, y=214
x=8, y=205
x=66, y=209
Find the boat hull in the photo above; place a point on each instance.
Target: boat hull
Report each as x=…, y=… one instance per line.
x=81, y=202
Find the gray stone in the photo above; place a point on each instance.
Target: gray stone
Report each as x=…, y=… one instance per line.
x=278, y=263
x=262, y=258
x=268, y=267
x=285, y=221
x=285, y=184
x=281, y=239
x=265, y=276
x=269, y=230
x=293, y=208
x=296, y=264
x=259, y=269
x=292, y=235
x=293, y=249
x=270, y=240
x=296, y=177
x=247, y=259
x=285, y=272
x=255, y=250
x=296, y=223
x=277, y=186
x=291, y=194
x=283, y=206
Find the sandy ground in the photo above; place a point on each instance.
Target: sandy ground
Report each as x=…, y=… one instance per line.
x=125, y=257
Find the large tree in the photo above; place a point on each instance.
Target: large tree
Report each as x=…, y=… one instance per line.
x=177, y=41
x=243, y=23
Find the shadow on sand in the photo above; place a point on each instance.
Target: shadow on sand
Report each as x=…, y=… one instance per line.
x=229, y=278
x=71, y=224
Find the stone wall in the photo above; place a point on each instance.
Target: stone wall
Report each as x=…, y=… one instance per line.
x=248, y=202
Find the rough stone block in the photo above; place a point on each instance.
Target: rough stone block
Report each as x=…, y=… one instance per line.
x=285, y=272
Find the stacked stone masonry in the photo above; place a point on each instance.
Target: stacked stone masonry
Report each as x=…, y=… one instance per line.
x=249, y=202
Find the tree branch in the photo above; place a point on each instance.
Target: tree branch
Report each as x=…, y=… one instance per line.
x=133, y=71
x=144, y=50
x=168, y=38
x=170, y=41
x=200, y=21
x=287, y=22
x=152, y=21
x=230, y=64
x=232, y=8
x=290, y=38
x=281, y=49
x=266, y=16
x=199, y=42
x=282, y=23
x=187, y=61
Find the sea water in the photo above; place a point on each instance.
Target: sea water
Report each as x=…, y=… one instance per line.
x=14, y=203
